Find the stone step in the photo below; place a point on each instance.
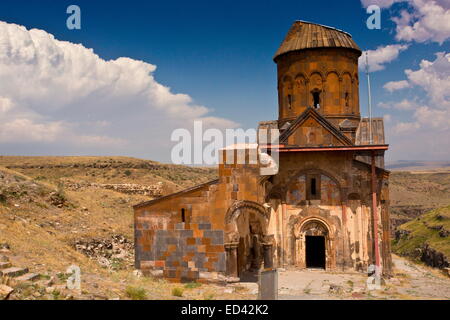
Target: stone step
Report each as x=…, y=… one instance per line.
x=5, y=265
x=28, y=277
x=13, y=272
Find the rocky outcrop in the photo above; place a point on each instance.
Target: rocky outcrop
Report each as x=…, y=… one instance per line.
x=115, y=253
x=433, y=258
x=401, y=234
x=444, y=233
x=155, y=190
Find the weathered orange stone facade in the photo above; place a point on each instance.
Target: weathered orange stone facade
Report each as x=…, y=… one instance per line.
x=326, y=205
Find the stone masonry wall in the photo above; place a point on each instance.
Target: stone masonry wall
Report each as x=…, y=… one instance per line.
x=182, y=251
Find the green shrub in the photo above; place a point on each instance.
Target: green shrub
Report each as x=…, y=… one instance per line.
x=63, y=276
x=136, y=293
x=56, y=295
x=177, y=292
x=192, y=285
x=60, y=195
x=118, y=264
x=208, y=296
x=127, y=173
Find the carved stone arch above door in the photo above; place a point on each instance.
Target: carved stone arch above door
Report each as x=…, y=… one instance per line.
x=312, y=226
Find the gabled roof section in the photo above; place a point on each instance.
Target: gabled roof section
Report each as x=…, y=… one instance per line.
x=312, y=113
x=176, y=194
x=308, y=35
x=369, y=167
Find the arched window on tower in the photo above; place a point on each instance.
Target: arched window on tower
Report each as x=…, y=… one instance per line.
x=289, y=101
x=288, y=95
x=347, y=99
x=316, y=99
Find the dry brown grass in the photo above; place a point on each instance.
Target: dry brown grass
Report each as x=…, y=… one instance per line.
x=109, y=170
x=41, y=235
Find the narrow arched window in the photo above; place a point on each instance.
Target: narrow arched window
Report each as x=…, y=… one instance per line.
x=289, y=101
x=316, y=99
x=183, y=215
x=313, y=187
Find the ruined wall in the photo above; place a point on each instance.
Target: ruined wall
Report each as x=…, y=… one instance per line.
x=185, y=250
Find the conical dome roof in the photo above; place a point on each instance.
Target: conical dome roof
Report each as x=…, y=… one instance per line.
x=307, y=35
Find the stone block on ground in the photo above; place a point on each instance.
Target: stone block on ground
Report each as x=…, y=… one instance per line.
x=13, y=272
x=28, y=277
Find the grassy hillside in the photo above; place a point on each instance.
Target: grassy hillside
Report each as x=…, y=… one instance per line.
x=111, y=170
x=42, y=222
x=431, y=228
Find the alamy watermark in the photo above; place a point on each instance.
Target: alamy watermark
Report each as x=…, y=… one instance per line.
x=206, y=147
x=73, y=22
x=374, y=280
x=374, y=20
x=74, y=280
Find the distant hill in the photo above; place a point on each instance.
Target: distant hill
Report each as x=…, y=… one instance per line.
x=417, y=165
x=413, y=193
x=109, y=170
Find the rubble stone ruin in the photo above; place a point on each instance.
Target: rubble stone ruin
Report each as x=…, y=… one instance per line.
x=324, y=205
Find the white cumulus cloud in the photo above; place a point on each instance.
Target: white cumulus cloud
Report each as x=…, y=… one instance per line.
x=405, y=104
x=380, y=3
x=428, y=21
x=392, y=86
x=434, y=78
x=381, y=56
x=421, y=21
x=428, y=130
x=59, y=92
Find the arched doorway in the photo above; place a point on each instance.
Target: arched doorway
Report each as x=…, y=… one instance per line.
x=313, y=244
x=315, y=252
x=247, y=230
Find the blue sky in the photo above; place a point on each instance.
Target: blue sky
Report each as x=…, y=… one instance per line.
x=219, y=53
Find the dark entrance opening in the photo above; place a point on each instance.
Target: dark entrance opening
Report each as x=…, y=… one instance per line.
x=315, y=252
x=316, y=99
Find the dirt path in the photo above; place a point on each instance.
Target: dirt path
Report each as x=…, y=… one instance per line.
x=421, y=282
x=410, y=281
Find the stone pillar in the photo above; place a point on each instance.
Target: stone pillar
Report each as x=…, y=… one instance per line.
x=268, y=255
x=375, y=217
x=284, y=234
x=231, y=252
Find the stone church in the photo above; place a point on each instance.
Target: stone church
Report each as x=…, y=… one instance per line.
x=325, y=202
